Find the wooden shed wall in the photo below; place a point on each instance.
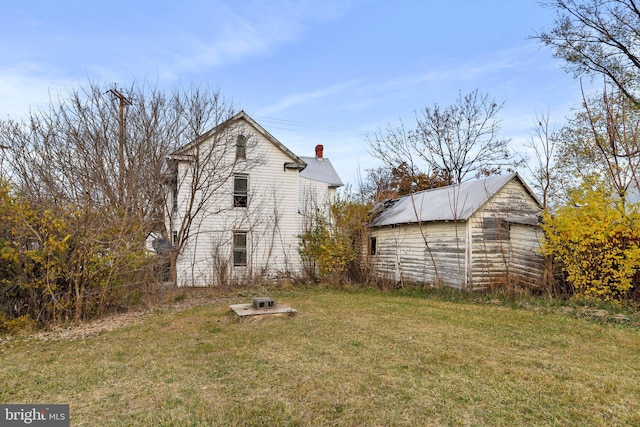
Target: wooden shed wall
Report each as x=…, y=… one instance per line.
x=499, y=244
x=506, y=240
x=404, y=255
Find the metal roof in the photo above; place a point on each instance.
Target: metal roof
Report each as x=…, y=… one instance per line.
x=454, y=202
x=320, y=169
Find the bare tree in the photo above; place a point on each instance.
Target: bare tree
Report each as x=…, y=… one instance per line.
x=394, y=146
x=98, y=157
x=598, y=37
x=453, y=142
x=603, y=141
x=544, y=146
x=87, y=148
x=616, y=137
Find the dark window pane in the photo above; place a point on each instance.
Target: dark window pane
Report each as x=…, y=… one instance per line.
x=495, y=229
x=241, y=147
x=240, y=240
x=239, y=258
x=239, y=249
x=240, y=187
x=240, y=184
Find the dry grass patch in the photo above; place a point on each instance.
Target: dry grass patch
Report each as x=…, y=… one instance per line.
x=361, y=358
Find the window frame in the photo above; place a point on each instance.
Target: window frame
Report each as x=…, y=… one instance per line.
x=496, y=229
x=240, y=251
x=240, y=197
x=373, y=245
x=241, y=147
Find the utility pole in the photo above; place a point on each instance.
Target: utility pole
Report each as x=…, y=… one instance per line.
x=124, y=102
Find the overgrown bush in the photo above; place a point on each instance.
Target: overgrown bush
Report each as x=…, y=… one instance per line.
x=60, y=263
x=334, y=243
x=596, y=239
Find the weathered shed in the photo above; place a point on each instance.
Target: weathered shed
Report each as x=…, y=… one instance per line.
x=470, y=235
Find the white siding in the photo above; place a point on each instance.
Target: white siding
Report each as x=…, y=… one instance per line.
x=314, y=196
x=271, y=220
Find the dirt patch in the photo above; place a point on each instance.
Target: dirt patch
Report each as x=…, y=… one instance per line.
x=117, y=321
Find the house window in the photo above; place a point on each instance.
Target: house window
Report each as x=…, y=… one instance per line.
x=240, y=191
x=241, y=147
x=174, y=199
x=495, y=229
x=373, y=246
x=239, y=248
x=174, y=238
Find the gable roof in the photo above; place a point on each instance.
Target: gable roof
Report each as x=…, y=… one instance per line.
x=296, y=162
x=450, y=203
x=321, y=169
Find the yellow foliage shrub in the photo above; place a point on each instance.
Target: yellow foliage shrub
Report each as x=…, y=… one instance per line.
x=596, y=238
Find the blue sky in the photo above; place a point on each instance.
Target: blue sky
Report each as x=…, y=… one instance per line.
x=310, y=72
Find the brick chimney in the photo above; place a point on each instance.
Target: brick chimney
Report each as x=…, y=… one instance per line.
x=319, y=150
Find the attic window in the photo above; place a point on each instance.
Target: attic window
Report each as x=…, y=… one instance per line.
x=240, y=191
x=373, y=246
x=495, y=229
x=241, y=147
x=174, y=199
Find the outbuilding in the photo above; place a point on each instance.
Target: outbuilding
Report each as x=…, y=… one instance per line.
x=472, y=235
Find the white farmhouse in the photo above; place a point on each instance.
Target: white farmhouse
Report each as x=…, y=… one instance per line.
x=239, y=200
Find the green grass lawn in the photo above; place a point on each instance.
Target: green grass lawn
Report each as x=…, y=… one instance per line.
x=346, y=359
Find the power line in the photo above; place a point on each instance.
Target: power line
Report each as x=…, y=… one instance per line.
x=297, y=126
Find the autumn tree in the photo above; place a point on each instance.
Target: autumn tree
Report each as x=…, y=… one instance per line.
x=455, y=142
x=385, y=183
x=598, y=38
x=375, y=186
x=593, y=235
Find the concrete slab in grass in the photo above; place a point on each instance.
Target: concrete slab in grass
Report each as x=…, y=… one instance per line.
x=243, y=310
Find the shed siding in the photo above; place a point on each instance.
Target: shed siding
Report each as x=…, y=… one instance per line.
x=527, y=263
x=499, y=244
x=507, y=256
x=403, y=255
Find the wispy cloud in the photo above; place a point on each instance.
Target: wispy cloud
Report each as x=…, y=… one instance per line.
x=256, y=29
x=24, y=88
x=296, y=99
